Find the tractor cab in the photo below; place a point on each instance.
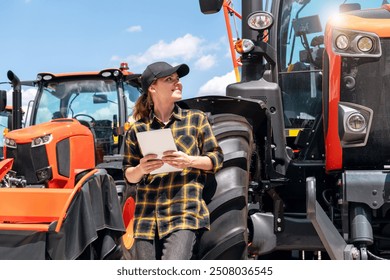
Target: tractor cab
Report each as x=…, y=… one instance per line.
x=319, y=71
x=300, y=49
x=102, y=101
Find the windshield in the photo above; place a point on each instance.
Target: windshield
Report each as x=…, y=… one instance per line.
x=85, y=100
x=95, y=103
x=300, y=47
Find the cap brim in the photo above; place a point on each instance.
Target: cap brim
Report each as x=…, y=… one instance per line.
x=181, y=70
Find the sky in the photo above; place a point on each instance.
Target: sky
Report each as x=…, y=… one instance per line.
x=84, y=35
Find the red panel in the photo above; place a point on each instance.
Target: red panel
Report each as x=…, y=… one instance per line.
x=333, y=149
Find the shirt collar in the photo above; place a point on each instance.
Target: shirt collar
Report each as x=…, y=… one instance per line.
x=177, y=114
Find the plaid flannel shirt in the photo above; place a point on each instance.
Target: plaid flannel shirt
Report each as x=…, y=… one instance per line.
x=172, y=201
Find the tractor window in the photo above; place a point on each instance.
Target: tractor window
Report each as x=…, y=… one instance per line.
x=132, y=95
x=92, y=102
x=300, y=45
x=48, y=105
x=85, y=100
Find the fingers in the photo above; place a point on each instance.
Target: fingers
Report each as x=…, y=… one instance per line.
x=149, y=163
x=176, y=159
x=171, y=153
x=153, y=165
x=149, y=157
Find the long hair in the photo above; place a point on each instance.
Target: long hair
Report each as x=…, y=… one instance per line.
x=143, y=106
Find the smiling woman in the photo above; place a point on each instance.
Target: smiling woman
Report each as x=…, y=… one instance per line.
x=170, y=210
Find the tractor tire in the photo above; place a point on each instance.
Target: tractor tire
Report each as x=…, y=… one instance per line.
x=126, y=195
x=226, y=193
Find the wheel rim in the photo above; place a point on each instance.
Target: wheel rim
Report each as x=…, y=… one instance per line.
x=128, y=219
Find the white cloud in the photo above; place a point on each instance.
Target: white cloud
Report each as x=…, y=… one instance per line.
x=183, y=48
x=205, y=62
x=27, y=96
x=134, y=28
x=217, y=85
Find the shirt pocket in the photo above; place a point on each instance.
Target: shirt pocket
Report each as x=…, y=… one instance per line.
x=187, y=144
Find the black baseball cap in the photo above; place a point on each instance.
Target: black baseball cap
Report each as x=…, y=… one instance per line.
x=161, y=69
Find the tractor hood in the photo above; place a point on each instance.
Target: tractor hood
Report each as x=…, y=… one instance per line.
x=58, y=129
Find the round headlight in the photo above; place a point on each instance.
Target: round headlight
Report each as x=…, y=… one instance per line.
x=10, y=143
x=342, y=42
x=37, y=141
x=106, y=74
x=260, y=20
x=46, y=138
x=47, y=77
x=365, y=44
x=356, y=122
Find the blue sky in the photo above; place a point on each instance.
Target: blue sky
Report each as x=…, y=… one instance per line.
x=85, y=35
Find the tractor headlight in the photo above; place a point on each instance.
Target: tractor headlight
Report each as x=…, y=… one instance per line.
x=342, y=42
x=44, y=174
x=353, y=43
x=10, y=143
x=365, y=44
x=354, y=124
x=260, y=21
x=42, y=140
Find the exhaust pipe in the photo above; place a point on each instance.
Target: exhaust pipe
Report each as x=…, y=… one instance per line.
x=16, y=101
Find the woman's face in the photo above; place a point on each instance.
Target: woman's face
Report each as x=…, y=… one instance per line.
x=167, y=89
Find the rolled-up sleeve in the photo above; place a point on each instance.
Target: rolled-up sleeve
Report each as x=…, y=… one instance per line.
x=132, y=154
x=210, y=147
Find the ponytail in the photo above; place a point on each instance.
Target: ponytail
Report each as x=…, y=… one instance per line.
x=143, y=107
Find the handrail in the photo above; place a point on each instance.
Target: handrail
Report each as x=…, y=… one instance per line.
x=228, y=10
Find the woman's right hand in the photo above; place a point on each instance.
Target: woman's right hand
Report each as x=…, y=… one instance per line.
x=149, y=163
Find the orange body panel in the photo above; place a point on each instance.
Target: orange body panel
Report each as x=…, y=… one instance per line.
x=34, y=209
x=81, y=147
x=379, y=26
x=31, y=204
x=5, y=166
x=350, y=22
x=334, y=156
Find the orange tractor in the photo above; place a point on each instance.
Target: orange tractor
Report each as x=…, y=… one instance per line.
x=306, y=132
x=62, y=192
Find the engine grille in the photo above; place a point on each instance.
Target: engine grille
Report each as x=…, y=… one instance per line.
x=27, y=160
x=371, y=90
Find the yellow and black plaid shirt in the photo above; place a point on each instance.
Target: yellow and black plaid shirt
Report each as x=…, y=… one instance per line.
x=171, y=201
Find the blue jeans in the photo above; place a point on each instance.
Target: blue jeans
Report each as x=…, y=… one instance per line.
x=176, y=246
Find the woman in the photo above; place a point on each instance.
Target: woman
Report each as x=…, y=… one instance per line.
x=169, y=206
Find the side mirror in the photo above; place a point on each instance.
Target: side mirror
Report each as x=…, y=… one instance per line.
x=100, y=98
x=3, y=99
x=210, y=6
x=307, y=25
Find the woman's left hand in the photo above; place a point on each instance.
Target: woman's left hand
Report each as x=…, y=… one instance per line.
x=177, y=159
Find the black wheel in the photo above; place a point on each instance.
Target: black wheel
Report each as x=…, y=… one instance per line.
x=226, y=193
